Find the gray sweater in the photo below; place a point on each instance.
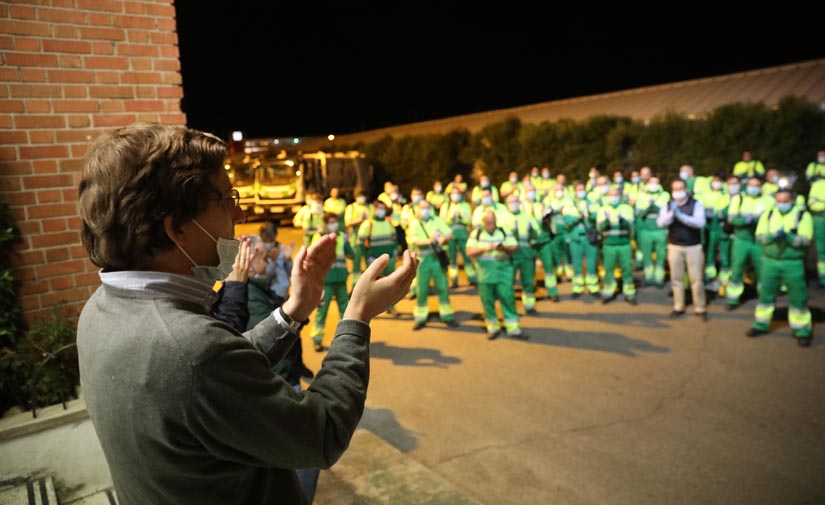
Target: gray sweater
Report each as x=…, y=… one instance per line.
x=187, y=410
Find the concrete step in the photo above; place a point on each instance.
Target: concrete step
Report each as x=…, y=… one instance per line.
x=28, y=491
x=371, y=472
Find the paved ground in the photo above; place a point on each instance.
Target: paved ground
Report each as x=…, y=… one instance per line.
x=604, y=404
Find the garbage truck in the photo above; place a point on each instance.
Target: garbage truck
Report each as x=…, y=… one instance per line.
x=274, y=182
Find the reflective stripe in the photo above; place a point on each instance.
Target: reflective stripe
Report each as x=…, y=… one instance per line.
x=616, y=232
x=763, y=313
x=799, y=318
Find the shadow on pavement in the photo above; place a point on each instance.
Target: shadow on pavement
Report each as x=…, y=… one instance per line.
x=411, y=356
x=383, y=423
x=592, y=341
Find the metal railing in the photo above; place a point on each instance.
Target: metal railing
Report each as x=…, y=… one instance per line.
x=36, y=378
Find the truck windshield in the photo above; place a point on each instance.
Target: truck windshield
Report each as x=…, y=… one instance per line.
x=242, y=174
x=278, y=172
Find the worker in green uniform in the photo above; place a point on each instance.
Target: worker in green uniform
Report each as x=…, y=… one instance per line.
x=437, y=197
x=544, y=185
x=484, y=184
x=335, y=283
x=458, y=214
x=562, y=260
x=816, y=169
x=748, y=167
x=459, y=184
x=427, y=234
x=354, y=214
x=543, y=243
x=816, y=204
x=615, y=221
x=512, y=186
x=771, y=184
x=377, y=236
x=715, y=240
x=492, y=247
x=785, y=233
x=489, y=203
x=525, y=229
x=744, y=212
x=310, y=218
x=580, y=216
x=652, y=238
x=335, y=204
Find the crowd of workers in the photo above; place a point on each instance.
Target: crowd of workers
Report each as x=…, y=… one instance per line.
x=725, y=232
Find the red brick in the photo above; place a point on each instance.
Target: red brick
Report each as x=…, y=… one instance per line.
x=55, y=239
x=102, y=121
x=13, y=137
x=166, y=24
x=44, y=166
x=100, y=20
x=76, y=164
x=28, y=45
x=169, y=52
x=140, y=78
x=14, y=106
x=69, y=194
x=24, y=274
x=78, y=122
x=107, y=62
x=9, y=74
x=144, y=50
x=15, y=59
x=146, y=92
x=87, y=279
x=160, y=10
x=173, y=119
x=33, y=287
x=140, y=36
x=13, y=27
x=134, y=8
x=73, y=223
x=29, y=229
x=142, y=64
x=44, y=121
x=10, y=184
x=164, y=38
x=62, y=16
x=53, y=225
x=6, y=42
x=30, y=75
x=115, y=34
x=38, y=106
x=30, y=91
x=30, y=153
x=52, y=210
x=75, y=91
x=112, y=107
x=79, y=252
x=111, y=78
x=134, y=23
x=144, y=106
x=67, y=46
x=171, y=78
x=58, y=268
x=61, y=283
x=76, y=106
x=167, y=65
x=103, y=48
x=72, y=136
x=66, y=31
x=41, y=137
x=100, y=5
x=111, y=92
x=71, y=61
x=68, y=295
x=27, y=259
x=71, y=76
x=20, y=198
x=57, y=254
x=49, y=196
x=16, y=167
x=28, y=304
x=21, y=12
x=5, y=119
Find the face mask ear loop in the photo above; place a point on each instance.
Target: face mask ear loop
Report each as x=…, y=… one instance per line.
x=185, y=254
x=204, y=230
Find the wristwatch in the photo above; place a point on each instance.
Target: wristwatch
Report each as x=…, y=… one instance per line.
x=287, y=322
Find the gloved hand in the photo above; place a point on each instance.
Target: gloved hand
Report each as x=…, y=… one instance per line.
x=677, y=211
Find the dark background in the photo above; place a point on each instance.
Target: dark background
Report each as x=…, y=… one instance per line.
x=310, y=68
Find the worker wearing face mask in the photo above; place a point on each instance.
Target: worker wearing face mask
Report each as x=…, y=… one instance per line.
x=562, y=260
x=310, y=218
x=684, y=219
x=816, y=169
x=483, y=184
x=488, y=202
x=715, y=240
x=428, y=235
x=544, y=186
x=356, y=213
x=525, y=229
x=543, y=244
x=592, y=179
x=580, y=216
x=512, y=186
x=748, y=168
x=624, y=187
x=437, y=197
x=335, y=283
x=615, y=221
x=744, y=212
x=458, y=214
x=652, y=237
x=785, y=233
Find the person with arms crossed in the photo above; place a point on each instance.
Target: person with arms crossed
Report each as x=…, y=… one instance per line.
x=186, y=408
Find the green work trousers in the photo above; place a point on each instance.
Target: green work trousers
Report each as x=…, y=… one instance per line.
x=621, y=256
x=429, y=268
x=585, y=258
x=774, y=273
x=653, y=244
x=741, y=252
x=337, y=290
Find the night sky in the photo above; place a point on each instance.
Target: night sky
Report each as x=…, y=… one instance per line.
x=311, y=68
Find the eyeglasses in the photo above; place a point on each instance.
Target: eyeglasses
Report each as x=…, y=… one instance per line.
x=234, y=196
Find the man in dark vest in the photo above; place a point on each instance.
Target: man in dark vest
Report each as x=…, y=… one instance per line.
x=684, y=218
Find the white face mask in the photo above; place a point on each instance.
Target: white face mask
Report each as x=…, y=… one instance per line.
x=514, y=207
x=332, y=227
x=227, y=251
x=716, y=185
x=487, y=200
x=604, y=189
x=679, y=195
x=417, y=198
x=559, y=194
x=820, y=159
x=653, y=187
x=437, y=189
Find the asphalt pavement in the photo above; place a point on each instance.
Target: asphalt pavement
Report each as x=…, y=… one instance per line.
x=611, y=403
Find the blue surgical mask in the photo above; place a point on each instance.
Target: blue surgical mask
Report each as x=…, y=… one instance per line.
x=416, y=198
x=425, y=213
x=753, y=190
x=487, y=200
x=636, y=180
x=485, y=184
x=545, y=175
x=380, y=213
x=618, y=180
x=514, y=207
x=784, y=207
x=684, y=176
x=531, y=195
x=733, y=189
x=581, y=194
x=614, y=200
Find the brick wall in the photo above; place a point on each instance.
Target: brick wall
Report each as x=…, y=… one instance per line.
x=70, y=70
